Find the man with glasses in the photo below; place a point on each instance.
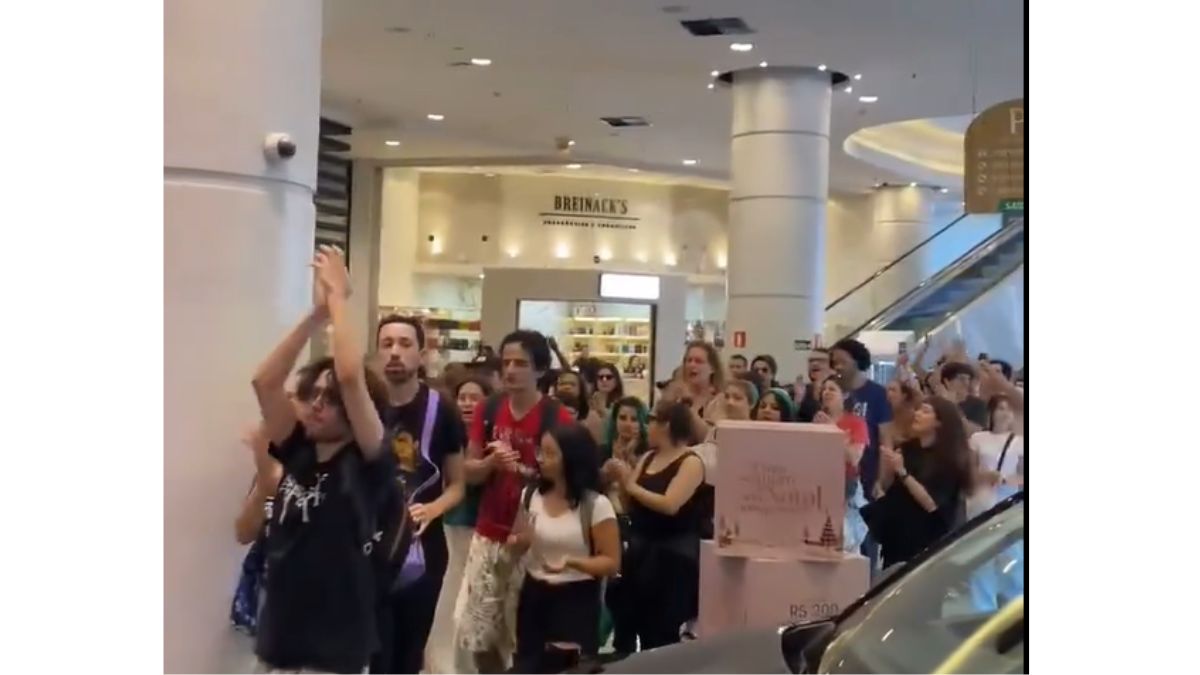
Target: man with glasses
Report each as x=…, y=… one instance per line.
x=320, y=613
x=809, y=395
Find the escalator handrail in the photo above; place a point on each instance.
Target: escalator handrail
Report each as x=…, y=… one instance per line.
x=948, y=272
x=895, y=262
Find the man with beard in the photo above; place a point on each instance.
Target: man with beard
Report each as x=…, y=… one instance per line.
x=408, y=611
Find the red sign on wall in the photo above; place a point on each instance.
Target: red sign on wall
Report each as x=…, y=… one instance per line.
x=739, y=339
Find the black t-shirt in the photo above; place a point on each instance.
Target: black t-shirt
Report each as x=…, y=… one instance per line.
x=975, y=410
x=319, y=612
x=404, y=424
x=912, y=527
x=809, y=405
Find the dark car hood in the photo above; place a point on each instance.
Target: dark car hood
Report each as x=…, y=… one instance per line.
x=758, y=651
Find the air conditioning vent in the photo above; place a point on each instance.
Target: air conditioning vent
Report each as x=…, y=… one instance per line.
x=626, y=121
x=727, y=26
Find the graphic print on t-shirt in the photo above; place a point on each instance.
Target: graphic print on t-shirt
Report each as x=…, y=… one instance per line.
x=294, y=497
x=406, y=449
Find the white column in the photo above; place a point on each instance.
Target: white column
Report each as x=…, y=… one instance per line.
x=902, y=217
x=780, y=172
x=238, y=239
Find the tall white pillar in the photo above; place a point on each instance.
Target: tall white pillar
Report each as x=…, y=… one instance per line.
x=780, y=172
x=238, y=239
x=902, y=218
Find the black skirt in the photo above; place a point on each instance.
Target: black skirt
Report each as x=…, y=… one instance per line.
x=567, y=613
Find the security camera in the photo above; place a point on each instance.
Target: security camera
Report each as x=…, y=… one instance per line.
x=563, y=143
x=596, y=259
x=279, y=146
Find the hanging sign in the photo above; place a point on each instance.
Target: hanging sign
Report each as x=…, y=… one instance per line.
x=994, y=174
x=802, y=345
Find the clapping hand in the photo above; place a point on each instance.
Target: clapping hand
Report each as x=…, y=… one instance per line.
x=333, y=277
x=822, y=417
x=555, y=566
x=617, y=471
x=892, y=458
x=502, y=452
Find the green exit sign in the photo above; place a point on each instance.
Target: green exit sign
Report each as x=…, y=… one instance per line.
x=1012, y=205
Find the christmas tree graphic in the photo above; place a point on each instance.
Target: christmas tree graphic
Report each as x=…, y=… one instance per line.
x=828, y=538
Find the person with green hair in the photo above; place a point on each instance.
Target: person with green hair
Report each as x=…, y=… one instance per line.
x=776, y=406
x=625, y=438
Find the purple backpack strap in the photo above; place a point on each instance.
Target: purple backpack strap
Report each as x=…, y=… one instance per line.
x=431, y=408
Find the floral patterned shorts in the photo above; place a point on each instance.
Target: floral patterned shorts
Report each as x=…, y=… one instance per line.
x=487, y=611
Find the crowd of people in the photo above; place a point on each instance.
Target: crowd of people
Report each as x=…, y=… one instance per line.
x=519, y=512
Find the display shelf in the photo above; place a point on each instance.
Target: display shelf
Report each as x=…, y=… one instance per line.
x=612, y=319
x=622, y=338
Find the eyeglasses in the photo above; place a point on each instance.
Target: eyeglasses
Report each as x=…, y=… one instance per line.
x=606, y=376
x=330, y=397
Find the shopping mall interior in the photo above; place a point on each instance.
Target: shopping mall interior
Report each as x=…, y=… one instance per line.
x=769, y=177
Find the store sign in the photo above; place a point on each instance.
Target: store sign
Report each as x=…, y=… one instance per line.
x=801, y=345
x=995, y=158
x=629, y=286
x=590, y=212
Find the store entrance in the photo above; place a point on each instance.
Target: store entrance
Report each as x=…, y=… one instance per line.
x=617, y=332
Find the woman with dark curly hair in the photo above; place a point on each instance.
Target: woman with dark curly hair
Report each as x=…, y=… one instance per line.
x=923, y=482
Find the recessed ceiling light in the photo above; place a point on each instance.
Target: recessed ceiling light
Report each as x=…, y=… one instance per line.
x=711, y=85
x=481, y=275
x=762, y=64
x=943, y=190
x=571, y=144
x=715, y=73
x=634, y=170
x=481, y=62
x=858, y=76
x=574, y=166
x=822, y=67
x=690, y=162
x=848, y=89
x=741, y=46
x=912, y=184
x=868, y=99
x=435, y=117
x=392, y=143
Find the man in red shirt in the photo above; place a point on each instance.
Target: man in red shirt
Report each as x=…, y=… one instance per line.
x=501, y=457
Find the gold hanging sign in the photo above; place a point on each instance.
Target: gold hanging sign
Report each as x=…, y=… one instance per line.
x=994, y=176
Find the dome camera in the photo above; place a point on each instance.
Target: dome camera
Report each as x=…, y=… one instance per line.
x=279, y=146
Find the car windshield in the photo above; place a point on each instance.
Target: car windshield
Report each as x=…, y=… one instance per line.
x=916, y=623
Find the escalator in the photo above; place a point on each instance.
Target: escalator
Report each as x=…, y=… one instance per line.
x=991, y=259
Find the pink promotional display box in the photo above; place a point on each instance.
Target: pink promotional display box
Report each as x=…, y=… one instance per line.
x=746, y=593
x=780, y=506
x=780, y=489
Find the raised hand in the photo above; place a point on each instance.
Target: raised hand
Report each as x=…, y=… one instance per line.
x=330, y=265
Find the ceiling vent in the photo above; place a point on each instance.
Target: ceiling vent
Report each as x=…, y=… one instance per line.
x=727, y=26
x=626, y=121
